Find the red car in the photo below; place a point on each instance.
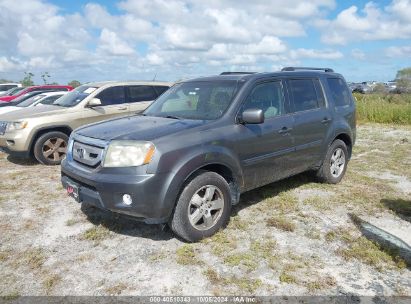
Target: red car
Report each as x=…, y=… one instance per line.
x=37, y=88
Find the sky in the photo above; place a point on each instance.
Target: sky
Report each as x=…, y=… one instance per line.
x=180, y=39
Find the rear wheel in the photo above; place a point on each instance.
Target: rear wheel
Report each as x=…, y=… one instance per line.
x=203, y=207
x=50, y=148
x=335, y=163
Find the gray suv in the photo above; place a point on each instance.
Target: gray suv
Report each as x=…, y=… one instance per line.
x=187, y=158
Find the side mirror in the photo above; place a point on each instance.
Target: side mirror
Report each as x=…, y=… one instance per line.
x=94, y=102
x=253, y=116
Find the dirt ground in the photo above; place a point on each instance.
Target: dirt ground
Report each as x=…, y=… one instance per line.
x=294, y=237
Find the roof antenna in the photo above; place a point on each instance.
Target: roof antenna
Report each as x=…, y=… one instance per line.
x=155, y=75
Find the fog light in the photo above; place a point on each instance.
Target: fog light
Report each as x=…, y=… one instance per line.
x=127, y=199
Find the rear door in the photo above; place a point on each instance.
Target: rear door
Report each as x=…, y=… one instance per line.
x=140, y=97
x=312, y=119
x=113, y=103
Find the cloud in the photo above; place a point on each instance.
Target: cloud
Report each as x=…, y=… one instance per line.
x=187, y=37
x=358, y=54
x=398, y=51
x=369, y=23
x=113, y=44
x=315, y=54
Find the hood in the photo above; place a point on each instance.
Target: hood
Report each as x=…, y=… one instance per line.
x=32, y=112
x=138, y=128
x=8, y=109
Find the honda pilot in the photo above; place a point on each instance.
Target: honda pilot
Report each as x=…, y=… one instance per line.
x=188, y=157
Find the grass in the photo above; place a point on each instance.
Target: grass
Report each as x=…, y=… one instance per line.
x=221, y=243
x=384, y=108
x=322, y=283
x=34, y=258
x=244, y=284
x=248, y=260
x=372, y=254
x=186, y=256
x=281, y=222
x=286, y=277
x=96, y=233
x=50, y=281
x=116, y=289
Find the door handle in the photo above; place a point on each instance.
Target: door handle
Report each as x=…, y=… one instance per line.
x=284, y=130
x=122, y=108
x=325, y=120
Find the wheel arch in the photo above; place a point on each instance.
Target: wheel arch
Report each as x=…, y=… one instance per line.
x=346, y=138
x=62, y=128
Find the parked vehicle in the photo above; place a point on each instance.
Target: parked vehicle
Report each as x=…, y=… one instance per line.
x=43, y=131
x=37, y=88
x=20, y=99
x=188, y=157
x=39, y=98
x=11, y=91
x=7, y=86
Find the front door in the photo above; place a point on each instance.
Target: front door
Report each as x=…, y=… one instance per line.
x=113, y=103
x=265, y=149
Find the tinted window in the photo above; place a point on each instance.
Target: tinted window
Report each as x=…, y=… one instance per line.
x=75, y=97
x=50, y=99
x=203, y=100
x=303, y=94
x=320, y=93
x=161, y=89
x=339, y=92
x=268, y=97
x=111, y=96
x=141, y=93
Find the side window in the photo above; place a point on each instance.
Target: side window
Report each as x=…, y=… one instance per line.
x=339, y=92
x=303, y=94
x=161, y=89
x=112, y=96
x=49, y=100
x=320, y=93
x=141, y=93
x=268, y=97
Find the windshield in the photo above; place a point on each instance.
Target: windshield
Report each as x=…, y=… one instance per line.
x=14, y=91
x=75, y=97
x=30, y=101
x=201, y=100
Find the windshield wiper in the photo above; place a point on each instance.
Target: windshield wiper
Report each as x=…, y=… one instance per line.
x=172, y=117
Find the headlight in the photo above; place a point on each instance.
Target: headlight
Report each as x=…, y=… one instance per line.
x=128, y=153
x=18, y=125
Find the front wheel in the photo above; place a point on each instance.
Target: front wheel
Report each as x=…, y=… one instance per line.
x=203, y=207
x=50, y=148
x=335, y=163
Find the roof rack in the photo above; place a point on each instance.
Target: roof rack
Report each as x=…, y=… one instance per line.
x=237, y=73
x=286, y=69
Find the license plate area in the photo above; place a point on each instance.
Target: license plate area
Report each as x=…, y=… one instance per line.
x=72, y=191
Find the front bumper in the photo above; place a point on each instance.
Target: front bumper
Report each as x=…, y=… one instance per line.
x=16, y=143
x=106, y=188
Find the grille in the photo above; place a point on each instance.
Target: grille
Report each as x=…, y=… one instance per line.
x=3, y=126
x=86, y=154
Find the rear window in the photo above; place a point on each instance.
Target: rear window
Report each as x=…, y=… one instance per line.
x=304, y=94
x=339, y=92
x=161, y=89
x=141, y=93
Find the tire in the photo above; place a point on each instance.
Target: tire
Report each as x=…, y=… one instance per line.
x=328, y=173
x=203, y=193
x=54, y=143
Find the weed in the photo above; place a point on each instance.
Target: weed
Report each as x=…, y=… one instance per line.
x=187, y=256
x=221, y=243
x=246, y=259
x=50, y=281
x=116, y=289
x=286, y=277
x=96, y=233
x=282, y=223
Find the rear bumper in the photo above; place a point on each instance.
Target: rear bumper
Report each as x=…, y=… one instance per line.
x=106, y=190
